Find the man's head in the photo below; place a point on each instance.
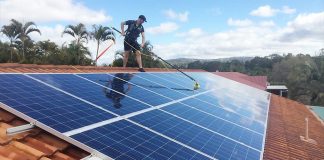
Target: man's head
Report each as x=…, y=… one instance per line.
x=141, y=19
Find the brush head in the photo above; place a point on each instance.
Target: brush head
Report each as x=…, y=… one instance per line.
x=196, y=86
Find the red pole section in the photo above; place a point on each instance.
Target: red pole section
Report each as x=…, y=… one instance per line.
x=103, y=52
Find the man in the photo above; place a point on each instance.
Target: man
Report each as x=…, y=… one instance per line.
x=130, y=43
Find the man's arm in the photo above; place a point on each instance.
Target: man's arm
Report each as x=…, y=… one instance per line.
x=122, y=28
x=143, y=39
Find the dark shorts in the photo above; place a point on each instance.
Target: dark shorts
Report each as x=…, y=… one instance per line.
x=131, y=45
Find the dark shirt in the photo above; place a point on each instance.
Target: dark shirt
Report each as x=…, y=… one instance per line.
x=133, y=31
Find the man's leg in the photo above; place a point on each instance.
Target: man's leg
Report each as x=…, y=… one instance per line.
x=125, y=59
x=139, y=59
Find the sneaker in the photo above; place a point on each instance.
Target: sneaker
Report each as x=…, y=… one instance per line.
x=141, y=70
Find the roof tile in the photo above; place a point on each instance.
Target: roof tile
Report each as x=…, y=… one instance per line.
x=285, y=126
x=6, y=116
x=14, y=153
x=53, y=141
x=27, y=149
x=61, y=156
x=41, y=146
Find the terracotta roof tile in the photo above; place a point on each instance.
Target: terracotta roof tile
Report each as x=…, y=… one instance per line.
x=41, y=146
x=75, y=153
x=285, y=126
x=259, y=82
x=53, y=141
x=61, y=156
x=27, y=149
x=11, y=152
x=32, y=68
x=6, y=116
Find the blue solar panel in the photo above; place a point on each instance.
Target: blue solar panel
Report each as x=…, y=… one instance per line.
x=161, y=80
x=100, y=95
x=153, y=85
x=125, y=140
x=158, y=116
x=49, y=106
x=139, y=87
x=227, y=128
x=212, y=144
x=228, y=115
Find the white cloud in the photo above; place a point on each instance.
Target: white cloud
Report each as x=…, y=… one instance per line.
x=240, y=23
x=288, y=10
x=163, y=28
x=53, y=34
x=304, y=34
x=194, y=32
x=183, y=17
x=49, y=11
x=267, y=11
x=267, y=23
x=305, y=26
x=264, y=11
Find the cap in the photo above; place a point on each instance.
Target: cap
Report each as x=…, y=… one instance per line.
x=143, y=18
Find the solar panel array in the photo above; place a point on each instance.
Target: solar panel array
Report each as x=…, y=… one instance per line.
x=144, y=115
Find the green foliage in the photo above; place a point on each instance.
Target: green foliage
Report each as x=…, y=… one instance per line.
x=4, y=52
x=18, y=34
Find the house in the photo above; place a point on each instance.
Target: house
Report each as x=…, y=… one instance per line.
x=286, y=124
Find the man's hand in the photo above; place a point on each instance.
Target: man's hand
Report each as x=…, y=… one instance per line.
x=142, y=45
x=122, y=28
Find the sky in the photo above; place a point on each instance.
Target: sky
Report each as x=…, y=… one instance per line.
x=206, y=29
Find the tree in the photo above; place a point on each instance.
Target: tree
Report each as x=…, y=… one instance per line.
x=4, y=49
x=12, y=33
x=23, y=31
x=101, y=34
x=300, y=74
x=44, y=51
x=80, y=34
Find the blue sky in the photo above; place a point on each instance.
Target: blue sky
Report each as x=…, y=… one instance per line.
x=182, y=28
x=210, y=15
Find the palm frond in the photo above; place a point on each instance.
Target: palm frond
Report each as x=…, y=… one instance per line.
x=69, y=32
x=33, y=30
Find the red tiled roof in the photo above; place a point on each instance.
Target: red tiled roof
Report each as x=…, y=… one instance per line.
x=33, y=68
x=286, y=124
x=259, y=82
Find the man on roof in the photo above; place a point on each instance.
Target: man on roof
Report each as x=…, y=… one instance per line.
x=133, y=31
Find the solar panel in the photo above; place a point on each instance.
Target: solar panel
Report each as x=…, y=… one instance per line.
x=212, y=143
x=125, y=140
x=144, y=115
x=47, y=105
x=101, y=93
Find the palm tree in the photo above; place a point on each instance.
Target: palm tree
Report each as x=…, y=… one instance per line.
x=11, y=32
x=23, y=31
x=101, y=34
x=79, y=33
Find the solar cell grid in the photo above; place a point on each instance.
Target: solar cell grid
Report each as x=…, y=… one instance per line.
x=211, y=122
